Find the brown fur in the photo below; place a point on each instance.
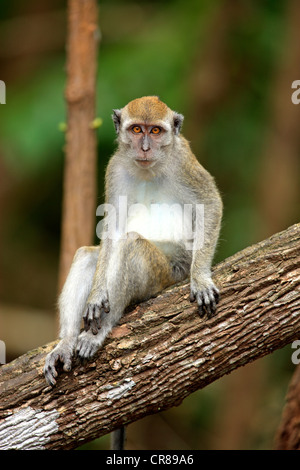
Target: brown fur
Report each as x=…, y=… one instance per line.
x=147, y=109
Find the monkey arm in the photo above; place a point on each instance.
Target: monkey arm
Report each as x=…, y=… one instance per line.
x=98, y=299
x=203, y=289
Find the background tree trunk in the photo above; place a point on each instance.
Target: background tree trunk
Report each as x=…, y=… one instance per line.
x=278, y=189
x=288, y=433
x=279, y=185
x=277, y=207
x=160, y=353
x=79, y=200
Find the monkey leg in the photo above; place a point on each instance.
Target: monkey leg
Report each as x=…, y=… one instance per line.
x=72, y=302
x=137, y=270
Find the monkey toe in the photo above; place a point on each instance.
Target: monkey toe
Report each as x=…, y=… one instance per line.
x=87, y=346
x=85, y=351
x=50, y=375
x=63, y=354
x=50, y=371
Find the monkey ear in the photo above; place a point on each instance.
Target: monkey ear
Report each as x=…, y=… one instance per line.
x=178, y=120
x=116, y=117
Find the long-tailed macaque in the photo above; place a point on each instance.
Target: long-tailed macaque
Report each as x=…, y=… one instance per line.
x=168, y=233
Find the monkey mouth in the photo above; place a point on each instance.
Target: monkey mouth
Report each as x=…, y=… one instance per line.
x=143, y=163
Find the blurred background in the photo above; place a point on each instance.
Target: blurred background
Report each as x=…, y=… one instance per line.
x=228, y=67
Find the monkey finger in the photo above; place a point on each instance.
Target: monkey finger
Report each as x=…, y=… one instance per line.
x=192, y=297
x=94, y=326
x=207, y=303
x=86, y=323
x=97, y=312
x=214, y=300
x=50, y=379
x=212, y=303
x=216, y=295
x=98, y=322
x=50, y=373
x=213, y=308
x=95, y=323
x=87, y=317
x=105, y=305
x=67, y=364
x=208, y=309
x=200, y=304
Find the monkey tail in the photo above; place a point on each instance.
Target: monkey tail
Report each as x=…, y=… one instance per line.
x=118, y=439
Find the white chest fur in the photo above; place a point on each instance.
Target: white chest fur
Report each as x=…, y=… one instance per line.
x=154, y=214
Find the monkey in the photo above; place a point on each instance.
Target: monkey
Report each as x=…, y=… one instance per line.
x=153, y=165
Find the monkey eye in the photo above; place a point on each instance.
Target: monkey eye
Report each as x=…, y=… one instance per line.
x=155, y=130
x=136, y=129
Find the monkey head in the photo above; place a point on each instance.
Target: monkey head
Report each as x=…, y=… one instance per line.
x=146, y=129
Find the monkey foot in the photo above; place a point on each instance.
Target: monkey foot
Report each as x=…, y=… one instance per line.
x=87, y=345
x=62, y=353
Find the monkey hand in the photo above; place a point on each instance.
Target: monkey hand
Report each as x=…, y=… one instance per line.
x=207, y=296
x=63, y=353
x=92, y=314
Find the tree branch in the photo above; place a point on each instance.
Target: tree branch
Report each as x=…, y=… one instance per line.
x=161, y=352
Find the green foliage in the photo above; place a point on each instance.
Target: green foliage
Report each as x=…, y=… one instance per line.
x=29, y=127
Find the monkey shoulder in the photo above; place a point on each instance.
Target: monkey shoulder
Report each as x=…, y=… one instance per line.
x=192, y=174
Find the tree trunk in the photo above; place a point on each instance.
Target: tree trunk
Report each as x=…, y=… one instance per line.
x=279, y=185
x=278, y=191
x=79, y=201
x=288, y=433
x=161, y=352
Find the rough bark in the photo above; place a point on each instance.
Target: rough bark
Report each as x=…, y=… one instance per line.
x=80, y=166
x=159, y=354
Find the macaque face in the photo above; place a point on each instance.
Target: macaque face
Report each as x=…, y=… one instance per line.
x=147, y=128
x=147, y=141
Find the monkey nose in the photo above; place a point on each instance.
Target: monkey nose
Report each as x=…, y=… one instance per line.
x=145, y=144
